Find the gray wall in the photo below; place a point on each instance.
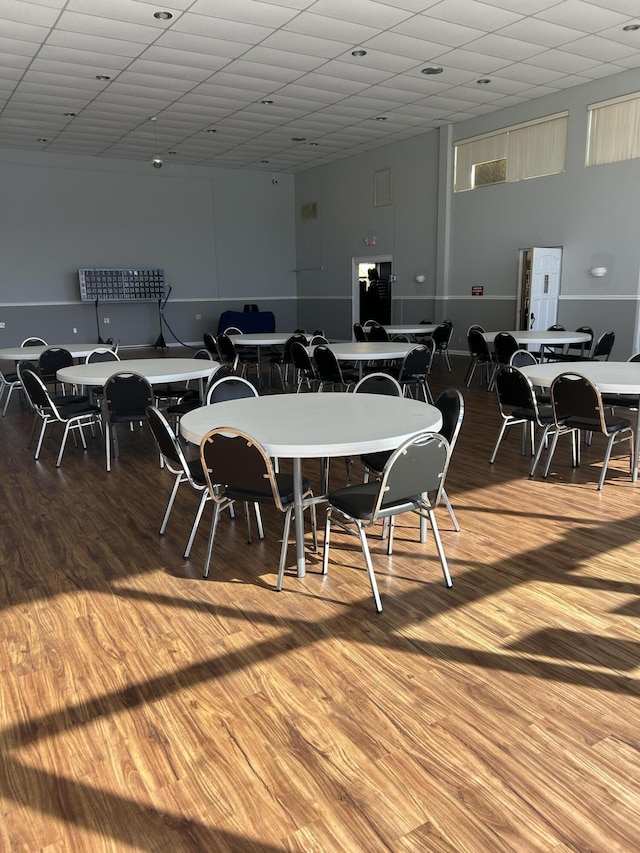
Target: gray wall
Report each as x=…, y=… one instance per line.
x=223, y=237
x=406, y=229
x=593, y=213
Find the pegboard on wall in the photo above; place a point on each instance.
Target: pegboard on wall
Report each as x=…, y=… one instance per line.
x=121, y=285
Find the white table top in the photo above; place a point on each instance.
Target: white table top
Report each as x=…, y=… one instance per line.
x=540, y=336
x=34, y=353
x=411, y=329
x=357, y=351
x=155, y=370
x=317, y=425
x=261, y=339
x=610, y=377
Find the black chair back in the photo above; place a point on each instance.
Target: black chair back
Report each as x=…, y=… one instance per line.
x=377, y=333
x=126, y=397
x=230, y=388
x=504, y=346
x=359, y=333
x=379, y=383
x=604, y=346
x=451, y=405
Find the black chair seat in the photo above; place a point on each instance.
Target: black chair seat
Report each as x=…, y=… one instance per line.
x=285, y=487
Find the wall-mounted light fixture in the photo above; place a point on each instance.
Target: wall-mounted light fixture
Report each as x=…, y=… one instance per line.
x=598, y=272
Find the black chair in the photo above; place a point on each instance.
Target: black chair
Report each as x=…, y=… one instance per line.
x=227, y=351
x=8, y=383
x=378, y=383
x=451, y=405
x=191, y=398
x=378, y=333
x=504, y=346
x=100, y=354
x=34, y=342
x=548, y=352
x=329, y=372
x=519, y=406
x=413, y=371
x=229, y=387
x=576, y=352
x=126, y=397
x=304, y=367
x=250, y=307
x=602, y=348
x=317, y=340
x=480, y=356
x=441, y=338
x=522, y=358
x=237, y=468
x=74, y=416
x=176, y=463
x=412, y=480
x=52, y=360
x=211, y=345
x=284, y=361
x=578, y=407
x=359, y=333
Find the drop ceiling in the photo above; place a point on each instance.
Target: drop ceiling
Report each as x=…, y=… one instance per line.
x=276, y=85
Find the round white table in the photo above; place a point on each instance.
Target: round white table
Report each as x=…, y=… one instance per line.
x=368, y=351
x=310, y=426
x=610, y=377
x=34, y=353
x=258, y=340
x=411, y=329
x=527, y=337
x=154, y=370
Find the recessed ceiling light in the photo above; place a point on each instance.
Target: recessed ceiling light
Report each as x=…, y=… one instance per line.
x=358, y=53
x=483, y=80
x=70, y=115
x=264, y=161
x=314, y=144
x=266, y=101
x=380, y=118
x=172, y=152
x=298, y=138
x=102, y=77
x=432, y=69
x=163, y=16
x=42, y=139
x=211, y=130
x=630, y=28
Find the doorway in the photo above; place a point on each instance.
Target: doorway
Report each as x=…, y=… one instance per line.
x=539, y=288
x=371, y=281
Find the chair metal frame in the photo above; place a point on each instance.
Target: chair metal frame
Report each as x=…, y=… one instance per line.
x=176, y=463
x=123, y=378
x=409, y=478
x=74, y=417
x=237, y=468
x=8, y=384
x=577, y=406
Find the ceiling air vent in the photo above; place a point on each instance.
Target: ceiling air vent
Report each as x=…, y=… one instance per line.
x=491, y=172
x=309, y=210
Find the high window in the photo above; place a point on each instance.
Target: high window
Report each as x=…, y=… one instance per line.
x=614, y=130
x=516, y=153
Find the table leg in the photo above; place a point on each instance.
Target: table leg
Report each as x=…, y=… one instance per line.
x=298, y=517
x=636, y=448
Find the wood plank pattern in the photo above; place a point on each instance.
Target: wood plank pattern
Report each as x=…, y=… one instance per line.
x=145, y=708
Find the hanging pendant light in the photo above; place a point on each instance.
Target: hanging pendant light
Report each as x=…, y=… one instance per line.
x=156, y=160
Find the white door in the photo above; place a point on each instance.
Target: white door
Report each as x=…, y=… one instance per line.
x=545, y=288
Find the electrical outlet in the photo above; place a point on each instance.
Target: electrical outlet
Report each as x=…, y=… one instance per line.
x=2, y=325
x=106, y=321
x=75, y=331
x=198, y=316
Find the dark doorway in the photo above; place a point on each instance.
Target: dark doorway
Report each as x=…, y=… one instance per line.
x=375, y=292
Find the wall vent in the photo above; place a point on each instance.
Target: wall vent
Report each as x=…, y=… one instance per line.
x=309, y=210
x=491, y=172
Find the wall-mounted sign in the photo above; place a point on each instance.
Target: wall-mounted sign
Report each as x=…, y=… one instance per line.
x=477, y=290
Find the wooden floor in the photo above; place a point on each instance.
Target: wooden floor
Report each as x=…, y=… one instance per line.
x=144, y=708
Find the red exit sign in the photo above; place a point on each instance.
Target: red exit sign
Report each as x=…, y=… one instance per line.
x=477, y=290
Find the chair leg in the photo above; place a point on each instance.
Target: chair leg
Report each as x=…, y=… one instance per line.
x=212, y=533
x=447, y=503
x=196, y=522
x=441, y=554
x=285, y=545
x=325, y=550
x=367, y=557
x=174, y=491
